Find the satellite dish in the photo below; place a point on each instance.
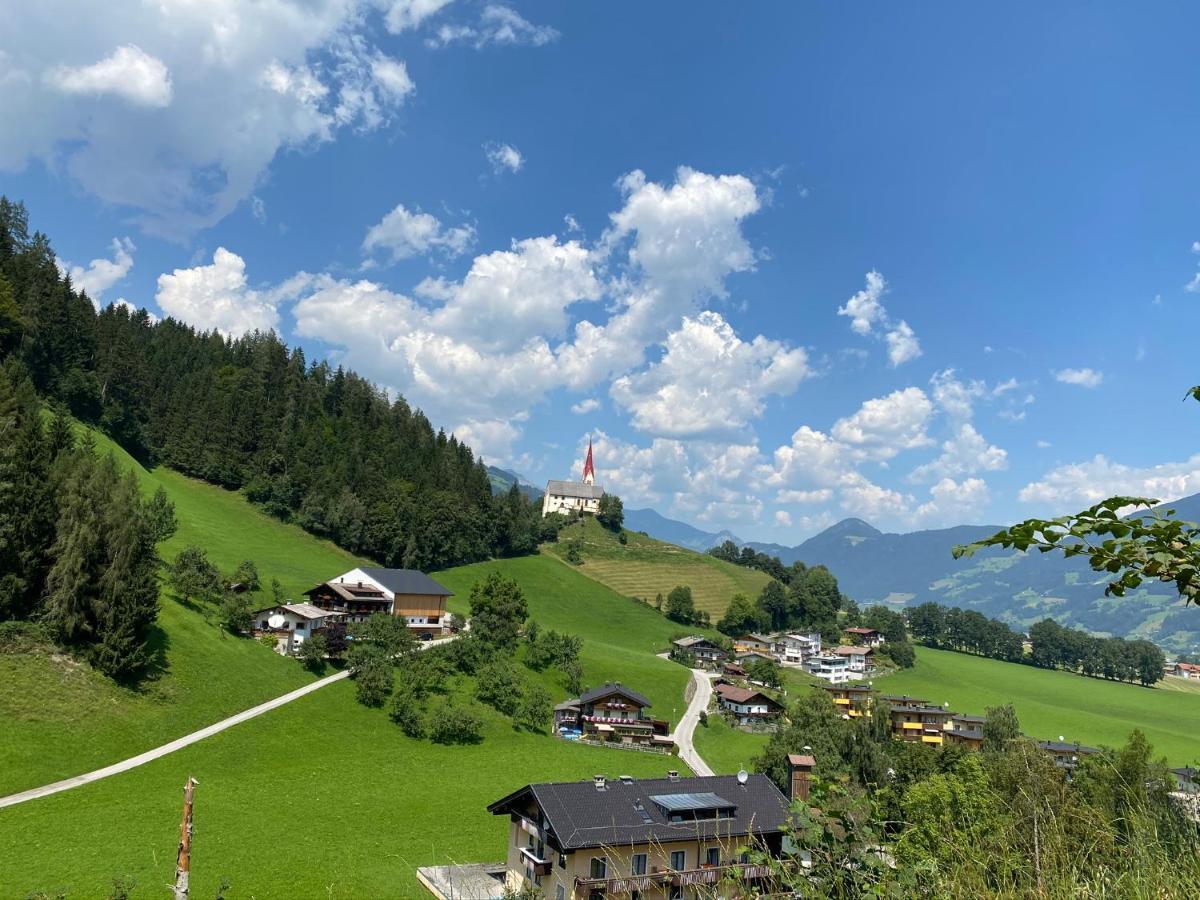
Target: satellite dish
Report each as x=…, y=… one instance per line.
x=1061, y=738
x=743, y=776
x=276, y=620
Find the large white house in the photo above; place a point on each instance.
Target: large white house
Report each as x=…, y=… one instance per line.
x=834, y=669
x=574, y=496
x=406, y=593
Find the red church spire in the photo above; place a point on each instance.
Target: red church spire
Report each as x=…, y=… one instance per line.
x=589, y=471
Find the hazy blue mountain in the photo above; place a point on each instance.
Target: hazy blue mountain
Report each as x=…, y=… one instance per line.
x=672, y=531
x=502, y=481
x=907, y=569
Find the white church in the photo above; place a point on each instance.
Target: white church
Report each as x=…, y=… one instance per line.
x=565, y=496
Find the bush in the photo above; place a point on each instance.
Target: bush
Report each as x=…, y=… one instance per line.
x=406, y=712
x=622, y=539
x=572, y=554
x=373, y=681
x=535, y=711
x=312, y=653
x=269, y=641
x=23, y=637
x=456, y=725
x=236, y=612
x=500, y=687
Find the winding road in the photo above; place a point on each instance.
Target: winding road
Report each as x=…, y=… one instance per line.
x=691, y=718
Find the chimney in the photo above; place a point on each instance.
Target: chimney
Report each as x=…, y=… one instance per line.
x=673, y=774
x=598, y=781
x=626, y=779
x=800, y=767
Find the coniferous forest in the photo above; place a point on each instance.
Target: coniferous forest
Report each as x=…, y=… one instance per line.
x=312, y=444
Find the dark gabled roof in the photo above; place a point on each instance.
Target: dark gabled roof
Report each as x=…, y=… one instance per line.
x=574, y=489
x=1186, y=772
x=1065, y=747
x=965, y=735
x=855, y=688
x=966, y=717
x=606, y=690
x=742, y=695
x=581, y=816
x=693, y=640
x=407, y=581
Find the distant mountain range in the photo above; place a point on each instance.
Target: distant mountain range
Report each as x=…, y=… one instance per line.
x=675, y=532
x=907, y=569
x=502, y=481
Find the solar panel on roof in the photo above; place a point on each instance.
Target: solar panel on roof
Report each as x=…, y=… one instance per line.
x=680, y=802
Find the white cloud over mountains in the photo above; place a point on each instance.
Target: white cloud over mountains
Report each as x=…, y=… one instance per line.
x=1085, y=483
x=174, y=109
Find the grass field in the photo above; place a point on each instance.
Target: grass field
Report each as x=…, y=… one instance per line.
x=644, y=567
x=60, y=718
x=1048, y=703
x=322, y=798
x=725, y=748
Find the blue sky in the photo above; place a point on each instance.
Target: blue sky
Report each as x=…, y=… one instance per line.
x=921, y=264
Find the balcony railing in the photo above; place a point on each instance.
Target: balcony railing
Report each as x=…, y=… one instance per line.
x=680, y=878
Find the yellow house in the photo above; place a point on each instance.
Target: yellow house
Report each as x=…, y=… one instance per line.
x=642, y=838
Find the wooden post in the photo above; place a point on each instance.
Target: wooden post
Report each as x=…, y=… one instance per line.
x=183, y=862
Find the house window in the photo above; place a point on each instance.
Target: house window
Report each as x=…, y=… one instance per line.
x=599, y=867
x=713, y=856
x=562, y=860
x=262, y=624
x=676, y=892
x=639, y=864
x=678, y=859
x=299, y=626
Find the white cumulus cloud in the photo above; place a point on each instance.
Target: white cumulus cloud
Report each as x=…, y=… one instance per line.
x=403, y=233
x=709, y=381
x=964, y=454
x=884, y=426
x=101, y=274
x=869, y=316
x=175, y=109
x=1088, y=378
x=498, y=25
x=504, y=158
x=591, y=404
x=1085, y=483
x=217, y=296
x=403, y=15
x=129, y=73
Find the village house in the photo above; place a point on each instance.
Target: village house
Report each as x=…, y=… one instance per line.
x=407, y=593
x=752, y=656
x=834, y=669
x=855, y=700
x=920, y=724
x=1066, y=754
x=747, y=706
x=794, y=649
x=867, y=637
x=859, y=660
x=755, y=643
x=574, y=496
x=966, y=730
x=612, y=713
x=1186, y=670
x=1186, y=780
x=703, y=649
x=292, y=624
x=660, y=838
x=732, y=668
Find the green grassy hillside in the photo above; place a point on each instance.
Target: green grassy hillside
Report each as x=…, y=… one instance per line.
x=644, y=567
x=323, y=798
x=1050, y=703
x=60, y=718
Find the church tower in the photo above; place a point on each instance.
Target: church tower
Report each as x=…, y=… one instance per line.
x=589, y=471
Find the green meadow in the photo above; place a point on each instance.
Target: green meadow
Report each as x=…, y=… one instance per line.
x=1049, y=703
x=322, y=798
x=644, y=567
